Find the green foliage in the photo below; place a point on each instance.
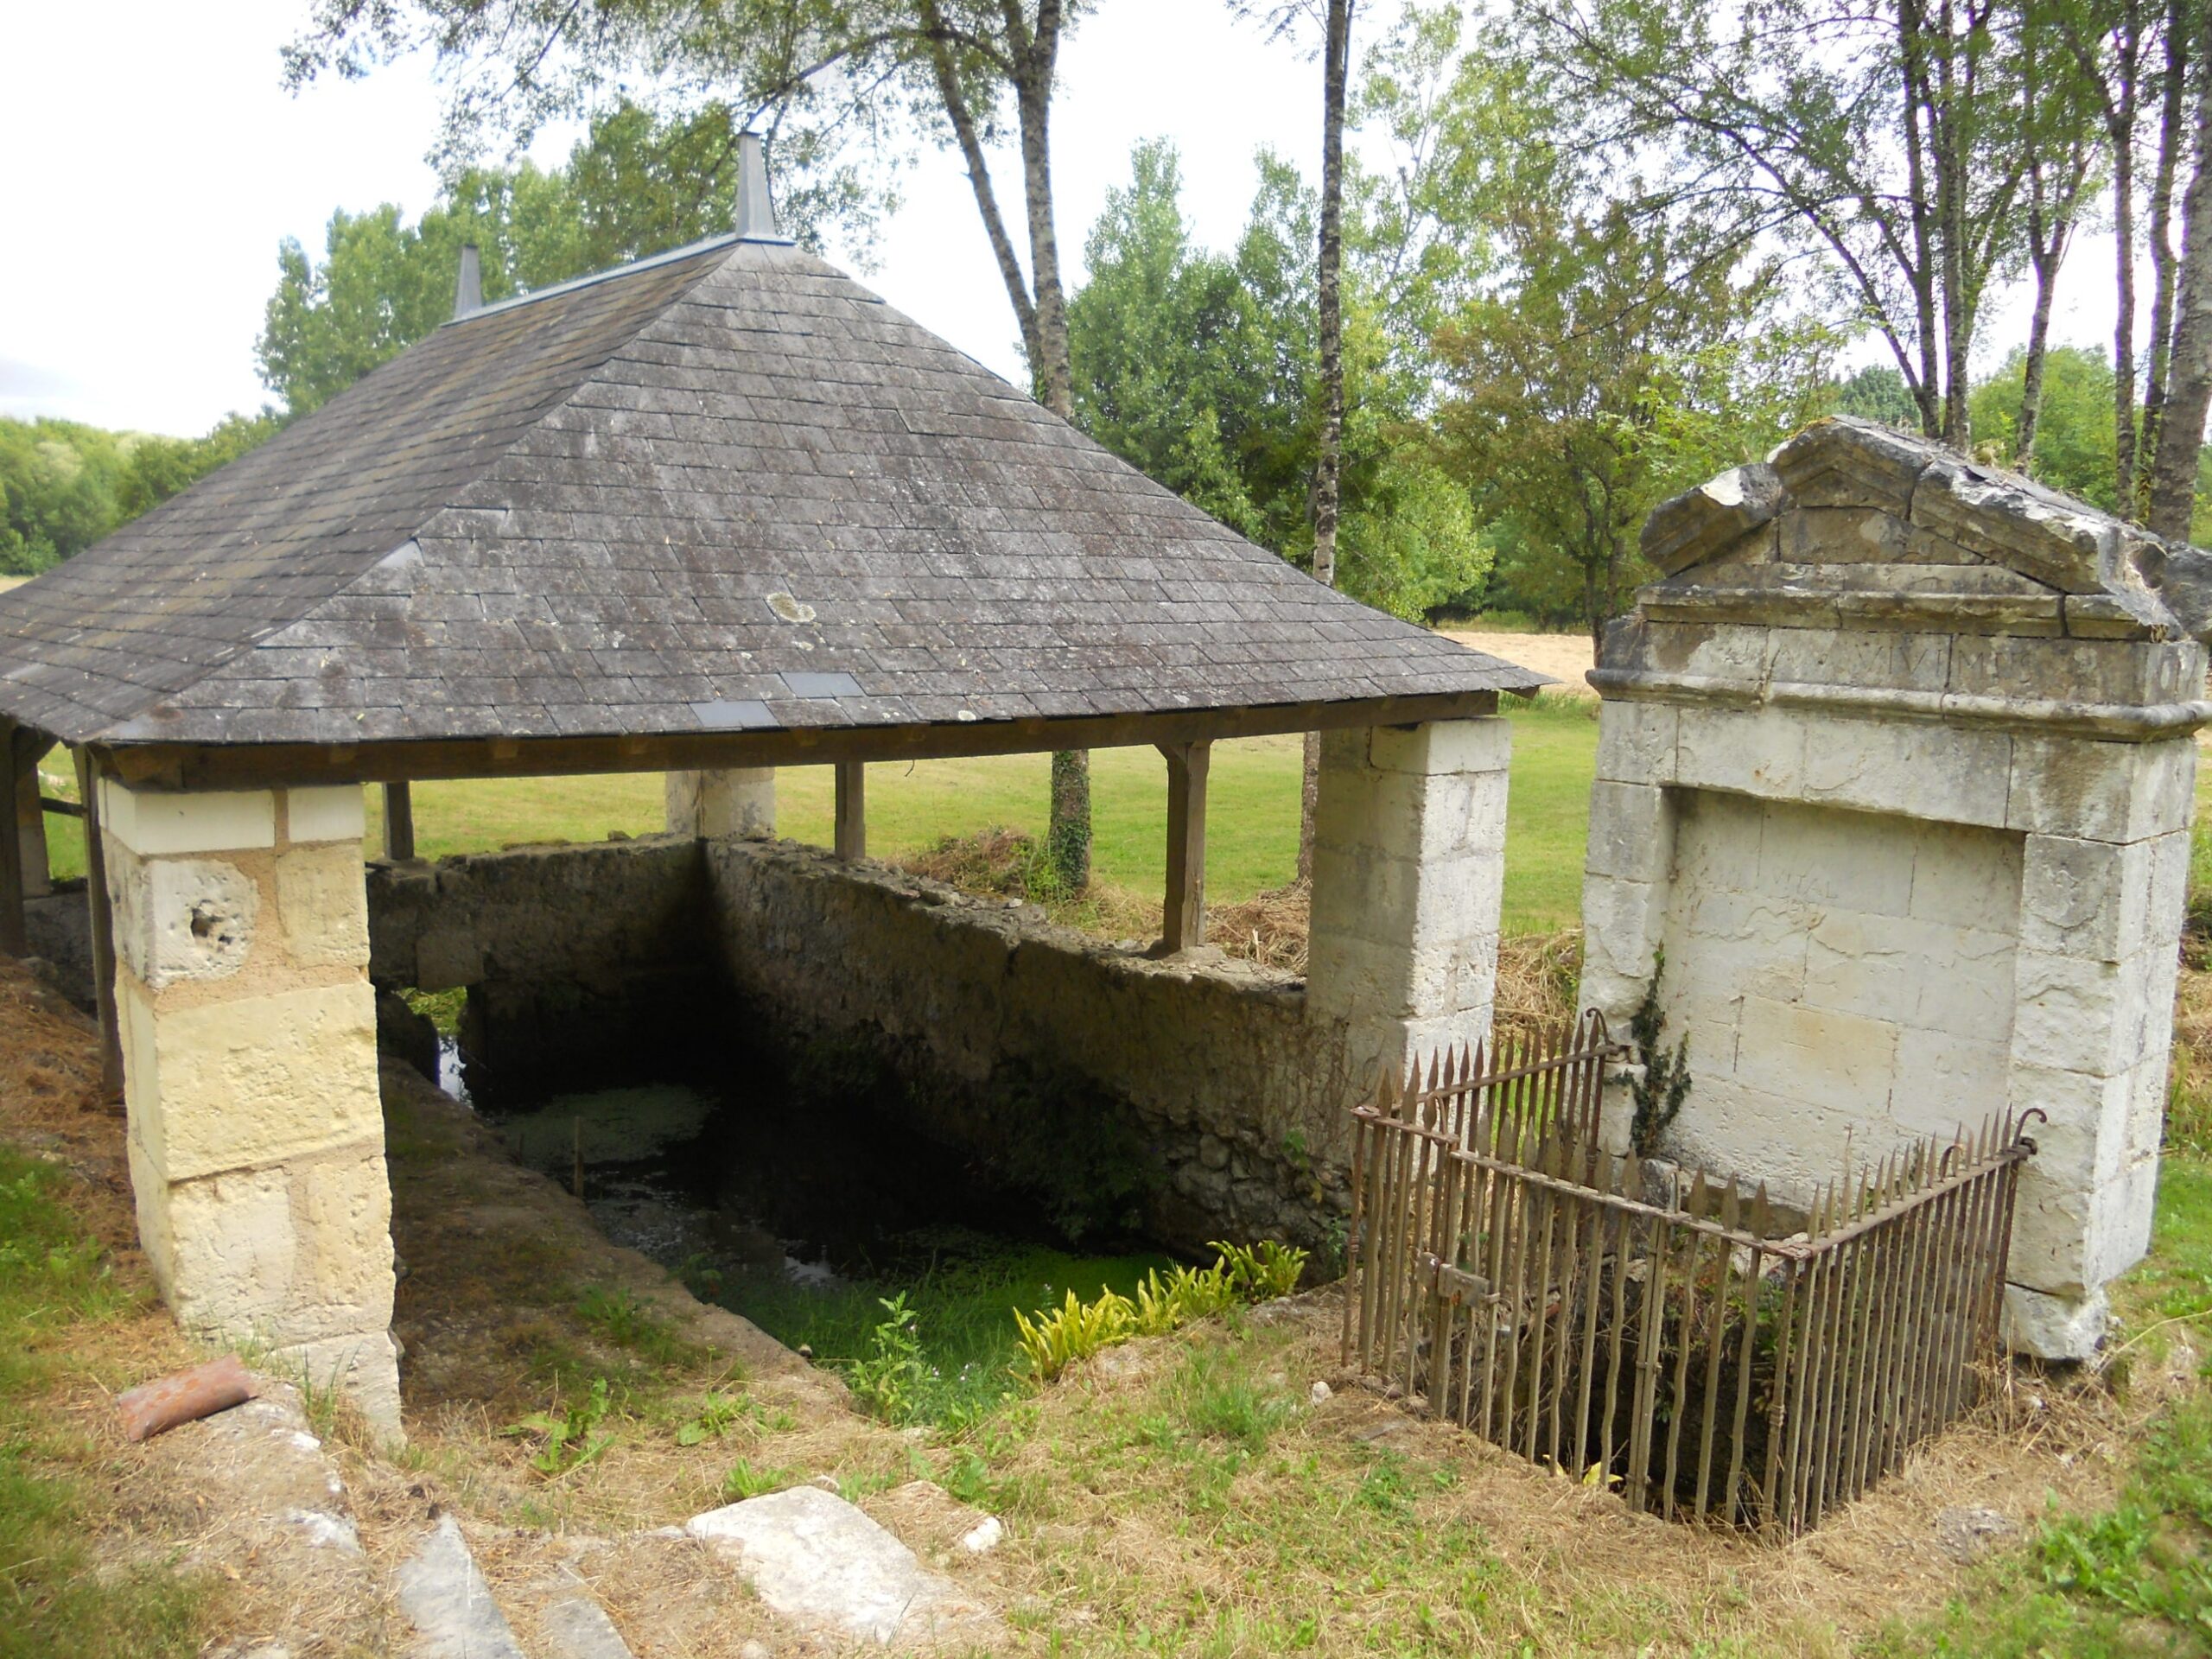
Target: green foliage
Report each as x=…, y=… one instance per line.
x=1878, y=392
x=2074, y=442
x=1664, y=1085
x=717, y=1414
x=568, y=1437
x=636, y=185
x=891, y=1380
x=62, y=1602
x=1201, y=370
x=1261, y=1272
x=745, y=1481
x=620, y=1317
x=1617, y=352
x=64, y=485
x=1057, y=1338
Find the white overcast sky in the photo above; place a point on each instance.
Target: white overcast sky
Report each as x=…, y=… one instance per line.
x=155, y=163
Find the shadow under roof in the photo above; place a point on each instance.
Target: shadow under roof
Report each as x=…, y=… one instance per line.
x=724, y=490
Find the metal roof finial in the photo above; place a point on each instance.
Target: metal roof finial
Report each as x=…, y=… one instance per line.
x=468, y=283
x=756, y=214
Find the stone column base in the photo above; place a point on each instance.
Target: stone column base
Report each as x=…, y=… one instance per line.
x=2055, y=1327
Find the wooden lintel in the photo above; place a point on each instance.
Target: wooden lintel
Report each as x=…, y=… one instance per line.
x=103, y=925
x=398, y=820
x=1183, y=922
x=248, y=765
x=851, y=831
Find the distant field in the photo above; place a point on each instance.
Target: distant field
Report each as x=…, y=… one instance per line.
x=1251, y=821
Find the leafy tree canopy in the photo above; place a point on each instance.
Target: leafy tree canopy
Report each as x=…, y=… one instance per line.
x=1201, y=370
x=63, y=486
x=637, y=185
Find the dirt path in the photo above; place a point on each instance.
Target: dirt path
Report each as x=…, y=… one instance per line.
x=1564, y=657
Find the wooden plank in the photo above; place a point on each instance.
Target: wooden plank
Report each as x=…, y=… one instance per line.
x=277, y=765
x=850, y=835
x=12, y=937
x=1184, y=923
x=398, y=820
x=103, y=928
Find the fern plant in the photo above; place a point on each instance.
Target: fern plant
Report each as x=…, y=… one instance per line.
x=1664, y=1086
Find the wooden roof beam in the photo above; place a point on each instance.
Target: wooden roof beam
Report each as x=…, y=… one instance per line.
x=248, y=766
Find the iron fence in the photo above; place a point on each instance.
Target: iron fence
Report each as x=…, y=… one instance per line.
x=1512, y=1275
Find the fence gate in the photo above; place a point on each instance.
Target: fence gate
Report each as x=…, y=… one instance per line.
x=1513, y=1276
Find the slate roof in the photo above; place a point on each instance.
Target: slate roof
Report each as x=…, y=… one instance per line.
x=724, y=489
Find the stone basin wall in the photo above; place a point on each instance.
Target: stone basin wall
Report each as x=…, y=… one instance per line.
x=1210, y=1070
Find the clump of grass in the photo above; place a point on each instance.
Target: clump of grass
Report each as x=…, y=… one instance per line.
x=744, y=1481
x=567, y=1437
x=623, y=1320
x=54, y=1285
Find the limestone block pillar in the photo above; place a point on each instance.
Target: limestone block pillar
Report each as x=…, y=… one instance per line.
x=740, y=802
x=1409, y=878
x=249, y=1071
x=2104, y=891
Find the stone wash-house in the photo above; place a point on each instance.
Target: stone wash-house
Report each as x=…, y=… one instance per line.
x=1896, y=766
x=715, y=512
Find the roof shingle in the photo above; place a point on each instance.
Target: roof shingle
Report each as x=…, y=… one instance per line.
x=663, y=501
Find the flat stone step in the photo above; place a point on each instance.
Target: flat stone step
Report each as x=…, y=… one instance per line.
x=818, y=1560
x=445, y=1597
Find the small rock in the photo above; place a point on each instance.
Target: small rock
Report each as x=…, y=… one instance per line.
x=754, y=1650
x=1966, y=1535
x=983, y=1538
x=1319, y=1394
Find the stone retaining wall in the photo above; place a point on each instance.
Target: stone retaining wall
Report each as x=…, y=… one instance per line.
x=1237, y=1097
x=1211, y=1067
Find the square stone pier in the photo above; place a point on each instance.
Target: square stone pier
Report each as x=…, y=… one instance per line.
x=1897, y=767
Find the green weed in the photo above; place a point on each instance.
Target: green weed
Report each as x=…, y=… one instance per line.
x=745, y=1481
x=568, y=1439
x=1076, y=1330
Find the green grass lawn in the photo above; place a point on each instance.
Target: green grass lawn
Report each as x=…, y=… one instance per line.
x=1252, y=814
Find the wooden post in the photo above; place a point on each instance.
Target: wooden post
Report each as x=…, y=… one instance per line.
x=103, y=929
x=398, y=820
x=852, y=810
x=30, y=815
x=1184, y=926
x=12, y=937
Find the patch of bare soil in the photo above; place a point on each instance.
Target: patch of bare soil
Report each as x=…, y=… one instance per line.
x=1564, y=657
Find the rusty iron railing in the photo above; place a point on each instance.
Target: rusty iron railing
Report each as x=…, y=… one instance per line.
x=1513, y=1276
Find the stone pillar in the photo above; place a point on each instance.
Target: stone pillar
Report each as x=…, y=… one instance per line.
x=250, y=1068
x=2103, y=895
x=740, y=801
x=30, y=821
x=1408, y=877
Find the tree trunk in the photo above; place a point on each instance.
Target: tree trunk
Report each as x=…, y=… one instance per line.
x=1328, y=470
x=1913, y=35
x=2173, y=479
x=2046, y=264
x=1068, y=836
x=2157, y=368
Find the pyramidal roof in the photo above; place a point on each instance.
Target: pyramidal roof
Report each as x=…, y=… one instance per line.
x=724, y=489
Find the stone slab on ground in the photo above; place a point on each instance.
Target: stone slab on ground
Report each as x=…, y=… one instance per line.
x=818, y=1560
x=579, y=1628
x=445, y=1597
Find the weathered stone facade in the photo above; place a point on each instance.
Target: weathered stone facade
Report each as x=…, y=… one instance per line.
x=248, y=1031
x=1896, y=765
